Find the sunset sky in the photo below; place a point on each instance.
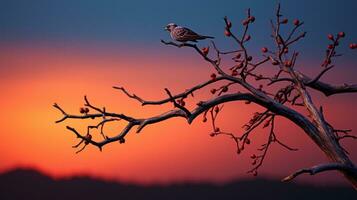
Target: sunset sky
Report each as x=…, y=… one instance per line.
x=59, y=51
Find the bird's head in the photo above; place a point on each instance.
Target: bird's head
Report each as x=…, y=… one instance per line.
x=170, y=27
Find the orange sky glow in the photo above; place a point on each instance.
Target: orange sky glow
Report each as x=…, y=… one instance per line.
x=34, y=77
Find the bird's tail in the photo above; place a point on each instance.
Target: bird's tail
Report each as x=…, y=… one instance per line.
x=205, y=37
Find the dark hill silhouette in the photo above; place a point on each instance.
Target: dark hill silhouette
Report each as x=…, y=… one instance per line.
x=30, y=184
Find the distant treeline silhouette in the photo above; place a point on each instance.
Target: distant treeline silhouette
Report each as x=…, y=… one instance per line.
x=31, y=184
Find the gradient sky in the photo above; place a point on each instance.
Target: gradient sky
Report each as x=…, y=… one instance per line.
x=57, y=51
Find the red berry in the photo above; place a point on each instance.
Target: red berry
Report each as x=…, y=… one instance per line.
x=245, y=22
x=296, y=22
x=82, y=110
x=247, y=141
x=353, y=46
x=205, y=51
x=287, y=63
x=216, y=109
x=217, y=130
x=253, y=156
x=284, y=21
x=249, y=58
x=213, y=76
x=264, y=49
x=330, y=37
x=275, y=62
x=234, y=73
x=341, y=34
x=88, y=138
x=227, y=33
x=251, y=18
x=204, y=119
x=213, y=91
x=238, y=55
x=182, y=103
x=212, y=134
x=330, y=46
x=247, y=38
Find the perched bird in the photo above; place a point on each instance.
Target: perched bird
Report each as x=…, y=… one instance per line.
x=183, y=34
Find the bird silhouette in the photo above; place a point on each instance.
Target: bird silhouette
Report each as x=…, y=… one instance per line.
x=183, y=34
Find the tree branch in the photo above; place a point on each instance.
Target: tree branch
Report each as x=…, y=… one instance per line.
x=292, y=92
x=326, y=88
x=320, y=168
x=181, y=95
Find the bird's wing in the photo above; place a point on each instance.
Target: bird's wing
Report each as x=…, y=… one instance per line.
x=185, y=34
x=188, y=32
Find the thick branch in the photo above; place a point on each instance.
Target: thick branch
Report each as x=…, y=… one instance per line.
x=326, y=88
x=321, y=168
x=202, y=107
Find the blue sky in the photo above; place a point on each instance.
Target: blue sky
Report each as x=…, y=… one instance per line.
x=141, y=22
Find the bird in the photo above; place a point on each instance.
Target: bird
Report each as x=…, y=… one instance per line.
x=183, y=34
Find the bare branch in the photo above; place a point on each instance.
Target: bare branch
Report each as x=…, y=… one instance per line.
x=133, y=96
x=65, y=116
x=319, y=75
x=320, y=168
x=326, y=88
x=181, y=95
